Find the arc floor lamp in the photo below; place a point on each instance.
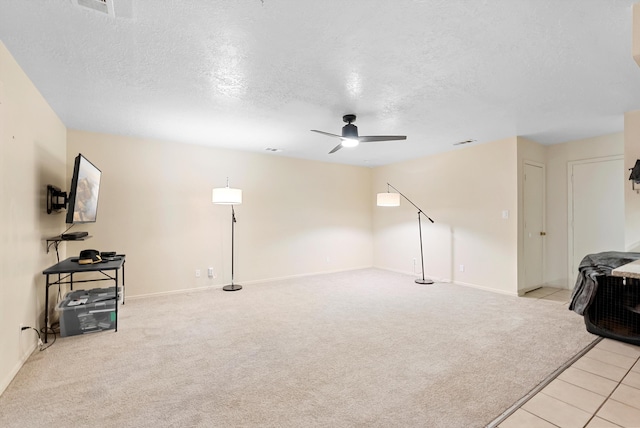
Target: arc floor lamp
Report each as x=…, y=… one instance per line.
x=229, y=196
x=389, y=199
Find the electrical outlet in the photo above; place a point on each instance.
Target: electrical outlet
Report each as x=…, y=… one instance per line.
x=210, y=272
x=461, y=268
x=197, y=273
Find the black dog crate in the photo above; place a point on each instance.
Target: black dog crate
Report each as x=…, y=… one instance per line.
x=615, y=310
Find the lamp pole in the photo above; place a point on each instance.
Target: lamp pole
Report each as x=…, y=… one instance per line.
x=422, y=280
x=232, y=286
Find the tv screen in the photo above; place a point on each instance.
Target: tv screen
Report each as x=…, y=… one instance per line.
x=83, y=195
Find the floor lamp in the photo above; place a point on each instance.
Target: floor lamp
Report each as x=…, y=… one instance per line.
x=389, y=199
x=229, y=196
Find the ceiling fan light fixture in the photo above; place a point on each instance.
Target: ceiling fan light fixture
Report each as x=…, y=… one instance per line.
x=349, y=142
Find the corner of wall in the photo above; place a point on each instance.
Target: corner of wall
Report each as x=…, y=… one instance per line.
x=466, y=191
x=635, y=46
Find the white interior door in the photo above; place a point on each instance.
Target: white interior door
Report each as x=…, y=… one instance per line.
x=533, y=225
x=596, y=209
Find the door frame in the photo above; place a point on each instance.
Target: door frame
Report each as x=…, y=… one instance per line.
x=544, y=222
x=570, y=272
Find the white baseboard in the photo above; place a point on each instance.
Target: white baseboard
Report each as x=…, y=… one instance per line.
x=523, y=291
x=482, y=287
x=170, y=292
x=282, y=278
x=243, y=283
x=417, y=275
x=448, y=280
x=7, y=380
x=303, y=275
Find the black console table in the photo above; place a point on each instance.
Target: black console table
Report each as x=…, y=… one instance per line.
x=70, y=267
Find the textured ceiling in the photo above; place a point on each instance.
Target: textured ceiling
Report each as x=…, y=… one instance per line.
x=251, y=74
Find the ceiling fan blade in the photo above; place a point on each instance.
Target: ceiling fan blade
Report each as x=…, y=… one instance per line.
x=326, y=133
x=372, y=138
x=336, y=148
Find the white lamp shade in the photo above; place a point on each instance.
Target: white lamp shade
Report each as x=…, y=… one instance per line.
x=349, y=142
x=226, y=196
x=388, y=200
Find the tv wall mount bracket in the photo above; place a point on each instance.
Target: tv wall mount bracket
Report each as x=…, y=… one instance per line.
x=56, y=199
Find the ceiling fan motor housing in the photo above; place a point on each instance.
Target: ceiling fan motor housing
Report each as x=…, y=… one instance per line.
x=350, y=131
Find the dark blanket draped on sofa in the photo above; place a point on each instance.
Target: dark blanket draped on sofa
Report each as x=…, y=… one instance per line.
x=591, y=267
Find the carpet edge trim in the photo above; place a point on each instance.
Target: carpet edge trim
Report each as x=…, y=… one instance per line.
x=529, y=395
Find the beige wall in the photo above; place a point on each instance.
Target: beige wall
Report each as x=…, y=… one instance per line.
x=558, y=157
x=465, y=192
x=297, y=218
x=32, y=155
x=631, y=198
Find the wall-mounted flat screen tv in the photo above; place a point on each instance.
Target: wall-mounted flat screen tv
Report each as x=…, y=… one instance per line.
x=83, y=195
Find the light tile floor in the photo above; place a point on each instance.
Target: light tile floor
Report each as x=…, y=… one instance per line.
x=601, y=389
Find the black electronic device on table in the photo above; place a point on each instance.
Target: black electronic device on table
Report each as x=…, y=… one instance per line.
x=72, y=236
x=95, y=256
x=109, y=256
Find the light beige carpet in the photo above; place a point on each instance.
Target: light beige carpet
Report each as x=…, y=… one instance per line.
x=367, y=348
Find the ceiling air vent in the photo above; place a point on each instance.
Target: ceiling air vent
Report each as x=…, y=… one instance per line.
x=460, y=143
x=102, y=6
